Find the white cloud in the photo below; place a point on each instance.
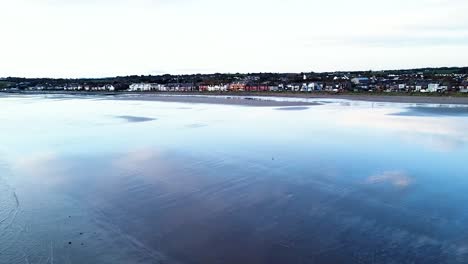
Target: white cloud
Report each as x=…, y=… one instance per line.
x=105, y=38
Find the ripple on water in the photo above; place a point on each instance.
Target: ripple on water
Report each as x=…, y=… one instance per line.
x=9, y=208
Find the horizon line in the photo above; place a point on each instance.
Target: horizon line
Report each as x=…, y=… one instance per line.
x=242, y=73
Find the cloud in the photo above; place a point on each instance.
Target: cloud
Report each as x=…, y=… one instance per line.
x=58, y=38
x=449, y=27
x=396, y=40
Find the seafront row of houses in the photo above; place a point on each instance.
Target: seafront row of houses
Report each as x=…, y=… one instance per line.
x=413, y=82
x=355, y=84
x=235, y=87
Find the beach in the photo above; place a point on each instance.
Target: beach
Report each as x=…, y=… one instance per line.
x=286, y=99
x=212, y=99
x=256, y=99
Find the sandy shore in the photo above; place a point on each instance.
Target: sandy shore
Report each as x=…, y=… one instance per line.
x=247, y=99
x=251, y=100
x=399, y=99
x=228, y=100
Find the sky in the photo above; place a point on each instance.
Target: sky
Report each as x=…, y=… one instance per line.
x=105, y=38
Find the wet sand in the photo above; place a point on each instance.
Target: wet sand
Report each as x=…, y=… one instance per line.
x=398, y=98
x=246, y=98
x=202, y=99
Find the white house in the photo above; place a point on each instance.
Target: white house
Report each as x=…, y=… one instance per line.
x=144, y=87
x=217, y=88
x=360, y=80
x=293, y=87
x=109, y=87
x=314, y=86
x=433, y=87
x=273, y=88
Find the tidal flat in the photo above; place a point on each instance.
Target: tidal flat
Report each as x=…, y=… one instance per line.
x=91, y=179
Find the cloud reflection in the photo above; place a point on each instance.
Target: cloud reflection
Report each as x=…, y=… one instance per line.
x=45, y=168
x=396, y=178
x=149, y=165
x=138, y=159
x=439, y=134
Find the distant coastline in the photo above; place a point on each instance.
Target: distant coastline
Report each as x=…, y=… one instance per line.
x=421, y=81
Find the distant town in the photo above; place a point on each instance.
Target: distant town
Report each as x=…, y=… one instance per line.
x=425, y=80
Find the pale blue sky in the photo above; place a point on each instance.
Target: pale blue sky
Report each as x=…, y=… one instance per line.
x=85, y=38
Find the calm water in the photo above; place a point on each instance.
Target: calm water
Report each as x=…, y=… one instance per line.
x=105, y=181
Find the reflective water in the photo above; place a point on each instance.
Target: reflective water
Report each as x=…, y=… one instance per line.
x=86, y=180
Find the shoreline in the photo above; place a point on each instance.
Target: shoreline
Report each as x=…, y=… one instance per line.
x=242, y=98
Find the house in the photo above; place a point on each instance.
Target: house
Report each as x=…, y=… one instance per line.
x=203, y=88
x=263, y=88
x=185, y=87
x=219, y=87
x=433, y=87
x=333, y=87
x=380, y=87
x=360, y=83
x=256, y=88
x=276, y=88
x=328, y=86
x=251, y=88
x=273, y=88
x=310, y=87
x=107, y=87
x=463, y=88
x=420, y=87
x=360, y=80
x=239, y=86
x=294, y=87
x=143, y=87
x=213, y=88
x=38, y=87
x=179, y=87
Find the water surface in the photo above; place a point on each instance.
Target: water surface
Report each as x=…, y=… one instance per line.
x=86, y=180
